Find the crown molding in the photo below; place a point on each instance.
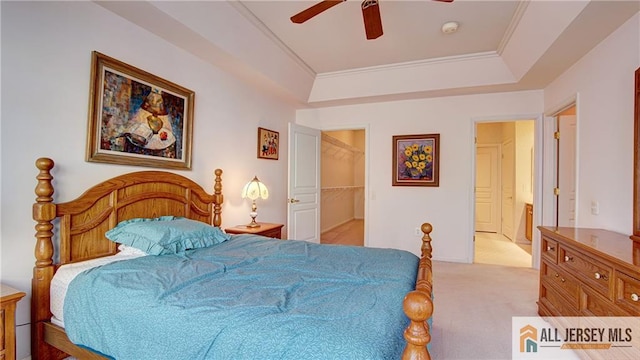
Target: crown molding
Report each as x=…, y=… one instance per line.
x=244, y=11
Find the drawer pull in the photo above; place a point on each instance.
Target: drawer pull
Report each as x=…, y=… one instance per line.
x=562, y=280
x=568, y=258
x=550, y=248
x=557, y=275
x=635, y=297
x=597, y=275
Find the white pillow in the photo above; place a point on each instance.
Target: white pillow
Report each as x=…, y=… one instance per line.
x=130, y=250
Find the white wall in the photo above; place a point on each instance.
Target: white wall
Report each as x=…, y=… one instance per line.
x=46, y=56
x=603, y=81
x=395, y=212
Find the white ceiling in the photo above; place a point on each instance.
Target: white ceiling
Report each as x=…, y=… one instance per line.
x=335, y=39
x=501, y=45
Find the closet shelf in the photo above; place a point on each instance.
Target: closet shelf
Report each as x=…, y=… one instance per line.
x=340, y=144
x=336, y=188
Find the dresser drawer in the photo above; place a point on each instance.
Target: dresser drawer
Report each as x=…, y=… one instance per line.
x=592, y=272
x=565, y=284
x=550, y=249
x=594, y=304
x=273, y=233
x=627, y=294
x=556, y=303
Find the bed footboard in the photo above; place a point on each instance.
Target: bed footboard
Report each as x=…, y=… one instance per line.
x=418, y=304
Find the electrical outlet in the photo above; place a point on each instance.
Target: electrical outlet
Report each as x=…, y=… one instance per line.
x=595, y=207
x=418, y=232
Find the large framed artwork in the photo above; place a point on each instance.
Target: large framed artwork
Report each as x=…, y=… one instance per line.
x=416, y=160
x=268, y=144
x=136, y=118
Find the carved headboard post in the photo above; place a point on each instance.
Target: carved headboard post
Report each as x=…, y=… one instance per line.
x=217, y=207
x=44, y=211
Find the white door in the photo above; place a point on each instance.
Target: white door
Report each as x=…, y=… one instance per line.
x=507, y=179
x=567, y=170
x=487, y=195
x=303, y=220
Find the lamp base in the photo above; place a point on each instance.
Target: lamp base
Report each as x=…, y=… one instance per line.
x=253, y=223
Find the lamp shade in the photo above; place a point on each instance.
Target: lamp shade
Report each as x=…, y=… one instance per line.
x=255, y=189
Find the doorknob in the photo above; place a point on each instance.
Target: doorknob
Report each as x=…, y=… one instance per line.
x=293, y=201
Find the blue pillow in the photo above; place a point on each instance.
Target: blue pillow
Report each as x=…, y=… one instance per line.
x=166, y=234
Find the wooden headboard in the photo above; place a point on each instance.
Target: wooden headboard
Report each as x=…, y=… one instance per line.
x=84, y=221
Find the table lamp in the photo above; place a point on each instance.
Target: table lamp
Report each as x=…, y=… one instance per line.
x=253, y=190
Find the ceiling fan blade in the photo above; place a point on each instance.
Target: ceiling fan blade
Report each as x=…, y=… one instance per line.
x=372, y=20
x=316, y=9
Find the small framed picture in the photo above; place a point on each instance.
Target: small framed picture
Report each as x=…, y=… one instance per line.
x=268, y=144
x=416, y=160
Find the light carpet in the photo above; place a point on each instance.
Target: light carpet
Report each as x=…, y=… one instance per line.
x=473, y=308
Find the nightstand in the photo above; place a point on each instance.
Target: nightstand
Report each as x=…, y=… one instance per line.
x=9, y=298
x=265, y=229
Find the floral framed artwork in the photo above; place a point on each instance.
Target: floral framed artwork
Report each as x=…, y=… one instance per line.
x=416, y=160
x=136, y=118
x=268, y=144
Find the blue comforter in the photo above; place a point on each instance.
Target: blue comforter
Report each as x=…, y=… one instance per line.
x=247, y=298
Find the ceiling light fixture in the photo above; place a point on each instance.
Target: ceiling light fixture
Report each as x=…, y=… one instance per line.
x=450, y=27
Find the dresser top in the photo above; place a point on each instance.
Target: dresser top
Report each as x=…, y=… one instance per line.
x=611, y=244
x=8, y=293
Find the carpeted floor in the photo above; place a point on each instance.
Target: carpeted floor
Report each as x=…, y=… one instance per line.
x=473, y=307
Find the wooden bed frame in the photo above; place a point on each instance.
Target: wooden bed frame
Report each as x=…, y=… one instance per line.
x=81, y=224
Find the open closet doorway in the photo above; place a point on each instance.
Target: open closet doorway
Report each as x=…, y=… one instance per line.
x=342, y=210
x=504, y=193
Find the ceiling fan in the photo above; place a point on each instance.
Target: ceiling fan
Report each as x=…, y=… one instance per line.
x=370, y=15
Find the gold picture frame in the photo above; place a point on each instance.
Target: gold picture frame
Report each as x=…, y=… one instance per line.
x=268, y=144
x=416, y=160
x=137, y=118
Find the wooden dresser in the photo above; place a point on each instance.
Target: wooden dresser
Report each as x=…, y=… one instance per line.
x=588, y=272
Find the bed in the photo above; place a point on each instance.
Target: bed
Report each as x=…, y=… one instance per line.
x=80, y=226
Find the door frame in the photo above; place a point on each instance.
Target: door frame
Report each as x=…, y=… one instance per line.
x=537, y=175
x=549, y=164
x=367, y=141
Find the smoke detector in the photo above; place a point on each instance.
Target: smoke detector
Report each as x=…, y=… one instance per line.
x=450, y=27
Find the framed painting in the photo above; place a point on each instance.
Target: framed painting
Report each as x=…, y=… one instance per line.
x=416, y=160
x=268, y=144
x=136, y=118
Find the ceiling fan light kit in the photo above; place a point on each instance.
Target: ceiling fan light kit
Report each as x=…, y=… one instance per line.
x=450, y=27
x=370, y=15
